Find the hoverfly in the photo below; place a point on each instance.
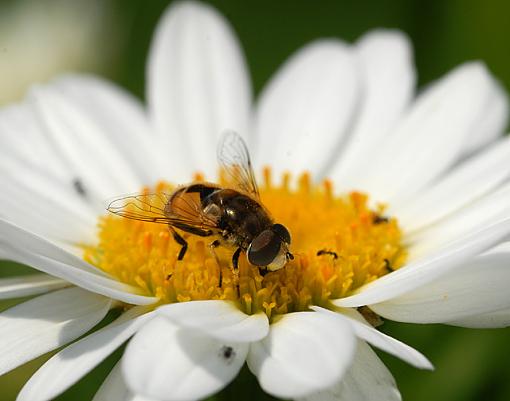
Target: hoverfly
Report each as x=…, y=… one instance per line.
x=232, y=215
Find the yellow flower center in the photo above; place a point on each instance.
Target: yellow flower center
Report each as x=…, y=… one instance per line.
x=338, y=243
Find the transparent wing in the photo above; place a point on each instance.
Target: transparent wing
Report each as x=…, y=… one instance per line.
x=185, y=211
x=143, y=207
x=234, y=158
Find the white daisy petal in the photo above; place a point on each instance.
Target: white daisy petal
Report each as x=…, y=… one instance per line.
x=24, y=286
x=122, y=118
x=48, y=258
x=12, y=235
x=305, y=111
x=72, y=363
x=197, y=86
x=491, y=320
x=47, y=322
x=478, y=287
x=380, y=340
x=101, y=116
x=492, y=122
x=113, y=387
x=430, y=138
x=367, y=379
x=19, y=126
x=168, y=363
x=219, y=319
x=480, y=214
x=81, y=140
x=469, y=181
x=82, y=278
x=40, y=195
x=39, y=202
x=388, y=80
x=424, y=271
x=138, y=397
x=305, y=352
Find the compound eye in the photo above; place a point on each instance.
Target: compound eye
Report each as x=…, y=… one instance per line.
x=282, y=232
x=264, y=248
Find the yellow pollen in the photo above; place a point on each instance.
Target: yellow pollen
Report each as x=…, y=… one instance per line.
x=338, y=243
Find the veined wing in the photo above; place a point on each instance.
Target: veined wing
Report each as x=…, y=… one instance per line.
x=179, y=210
x=143, y=207
x=234, y=158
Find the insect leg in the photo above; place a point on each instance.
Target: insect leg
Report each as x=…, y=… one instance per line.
x=326, y=252
x=388, y=266
x=235, y=268
x=181, y=241
x=212, y=246
x=235, y=259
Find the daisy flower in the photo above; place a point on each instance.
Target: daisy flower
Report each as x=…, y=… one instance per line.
x=396, y=203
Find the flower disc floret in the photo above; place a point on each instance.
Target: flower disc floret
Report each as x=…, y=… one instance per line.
x=339, y=244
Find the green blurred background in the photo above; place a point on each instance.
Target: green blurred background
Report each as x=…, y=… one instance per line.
x=112, y=37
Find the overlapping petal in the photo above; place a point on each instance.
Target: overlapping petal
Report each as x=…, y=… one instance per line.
x=39, y=197
x=367, y=379
x=472, y=218
x=47, y=322
x=121, y=119
x=92, y=139
x=490, y=320
x=428, y=269
x=197, y=86
x=69, y=365
x=166, y=362
x=305, y=111
x=387, y=86
x=25, y=247
x=466, y=183
x=34, y=284
x=22, y=138
x=304, y=352
x=380, y=340
x=431, y=136
x=219, y=319
x=479, y=287
x=81, y=141
x=492, y=122
x=114, y=388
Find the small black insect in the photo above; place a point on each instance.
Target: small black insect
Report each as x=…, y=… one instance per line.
x=326, y=252
x=388, y=266
x=227, y=353
x=378, y=219
x=370, y=316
